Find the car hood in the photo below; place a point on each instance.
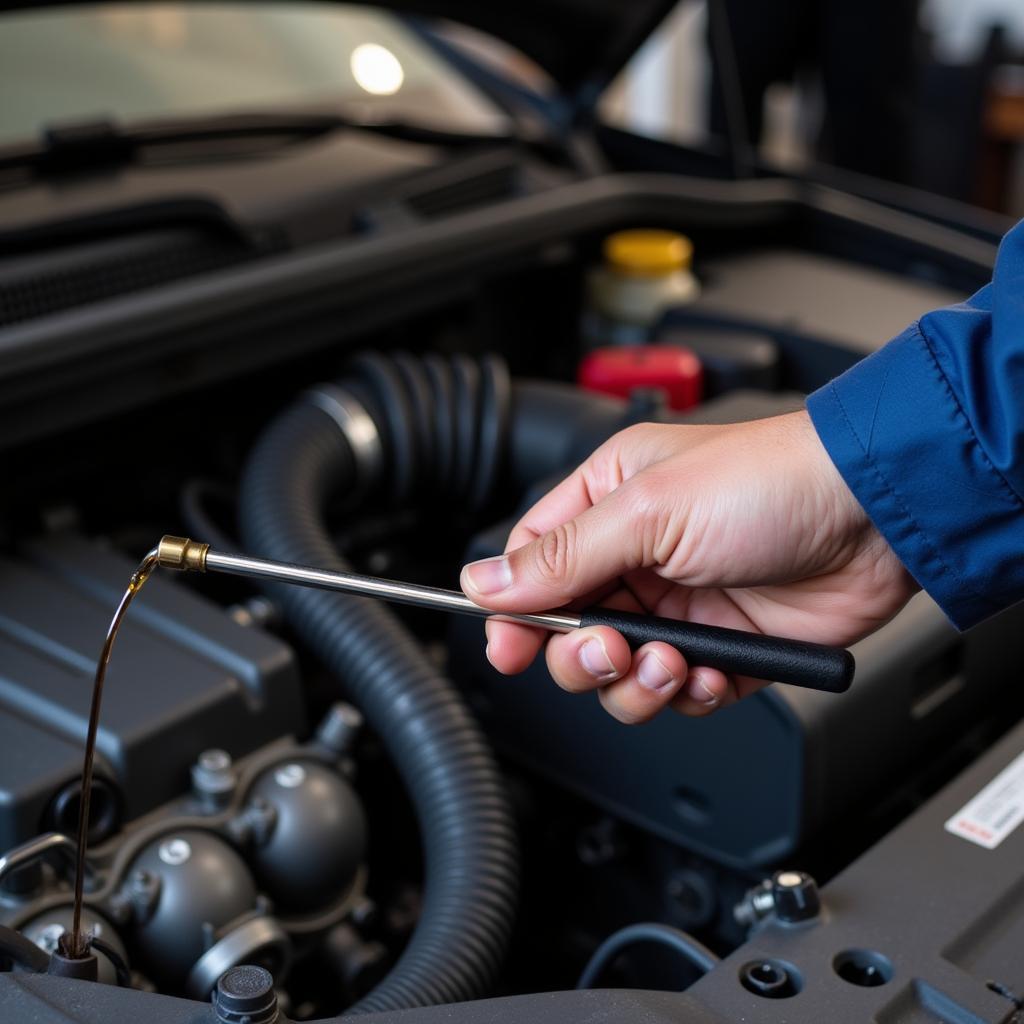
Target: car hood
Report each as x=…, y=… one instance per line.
x=582, y=44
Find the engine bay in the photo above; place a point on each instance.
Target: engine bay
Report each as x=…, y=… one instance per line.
x=348, y=796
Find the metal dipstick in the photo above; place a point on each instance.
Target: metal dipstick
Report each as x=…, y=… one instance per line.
x=781, y=660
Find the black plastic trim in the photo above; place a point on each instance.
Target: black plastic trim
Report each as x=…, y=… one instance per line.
x=232, y=321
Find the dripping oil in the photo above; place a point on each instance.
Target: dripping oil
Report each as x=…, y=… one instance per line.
x=74, y=944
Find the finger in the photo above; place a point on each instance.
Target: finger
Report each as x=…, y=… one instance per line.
x=515, y=646
x=566, y=500
x=569, y=560
x=588, y=658
x=616, y=460
x=511, y=647
x=705, y=690
x=619, y=459
x=653, y=680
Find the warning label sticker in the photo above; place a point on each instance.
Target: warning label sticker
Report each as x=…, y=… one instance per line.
x=996, y=811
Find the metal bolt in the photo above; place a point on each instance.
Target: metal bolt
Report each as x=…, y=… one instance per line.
x=262, y=816
x=140, y=895
x=290, y=776
x=174, y=851
x=339, y=728
x=214, y=760
x=213, y=774
x=255, y=824
x=758, y=903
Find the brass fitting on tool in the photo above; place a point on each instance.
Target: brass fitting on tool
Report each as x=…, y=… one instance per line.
x=181, y=553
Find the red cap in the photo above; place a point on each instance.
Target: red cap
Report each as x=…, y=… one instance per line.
x=621, y=370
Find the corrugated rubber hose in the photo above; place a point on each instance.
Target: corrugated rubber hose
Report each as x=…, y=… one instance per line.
x=470, y=848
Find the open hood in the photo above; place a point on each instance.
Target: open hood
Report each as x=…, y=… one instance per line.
x=580, y=43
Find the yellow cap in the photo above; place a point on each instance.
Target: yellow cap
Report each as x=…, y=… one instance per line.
x=648, y=251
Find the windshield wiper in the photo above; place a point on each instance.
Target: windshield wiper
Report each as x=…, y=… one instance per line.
x=103, y=142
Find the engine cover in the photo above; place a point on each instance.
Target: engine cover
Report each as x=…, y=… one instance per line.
x=184, y=678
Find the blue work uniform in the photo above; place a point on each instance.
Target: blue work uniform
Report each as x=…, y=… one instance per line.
x=928, y=433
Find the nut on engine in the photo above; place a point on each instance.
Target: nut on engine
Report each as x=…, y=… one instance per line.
x=182, y=554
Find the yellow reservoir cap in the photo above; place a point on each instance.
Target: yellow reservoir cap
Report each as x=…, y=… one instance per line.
x=648, y=251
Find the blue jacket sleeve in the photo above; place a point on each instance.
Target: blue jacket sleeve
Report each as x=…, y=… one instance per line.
x=928, y=433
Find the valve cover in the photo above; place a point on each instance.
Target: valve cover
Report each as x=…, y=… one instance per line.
x=184, y=677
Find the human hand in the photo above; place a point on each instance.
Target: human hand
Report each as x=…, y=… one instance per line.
x=747, y=525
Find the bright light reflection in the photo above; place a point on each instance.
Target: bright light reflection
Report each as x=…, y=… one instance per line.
x=376, y=69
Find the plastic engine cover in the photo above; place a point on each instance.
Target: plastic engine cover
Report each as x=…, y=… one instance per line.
x=184, y=677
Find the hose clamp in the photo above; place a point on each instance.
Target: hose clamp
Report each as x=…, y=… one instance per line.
x=356, y=424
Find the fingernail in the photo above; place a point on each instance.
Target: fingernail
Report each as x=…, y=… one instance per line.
x=594, y=658
x=699, y=690
x=490, y=575
x=652, y=674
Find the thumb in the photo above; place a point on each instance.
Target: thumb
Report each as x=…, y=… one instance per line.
x=567, y=561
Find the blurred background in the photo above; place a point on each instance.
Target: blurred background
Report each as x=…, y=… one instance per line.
x=926, y=93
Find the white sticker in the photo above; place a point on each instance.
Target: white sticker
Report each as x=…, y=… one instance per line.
x=996, y=811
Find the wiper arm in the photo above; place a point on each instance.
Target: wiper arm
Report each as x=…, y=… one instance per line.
x=98, y=143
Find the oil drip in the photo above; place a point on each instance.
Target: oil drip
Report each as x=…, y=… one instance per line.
x=75, y=944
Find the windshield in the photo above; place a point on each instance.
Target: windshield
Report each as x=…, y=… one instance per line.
x=140, y=61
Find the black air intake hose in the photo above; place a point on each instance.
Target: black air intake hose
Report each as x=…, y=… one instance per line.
x=444, y=425
x=303, y=461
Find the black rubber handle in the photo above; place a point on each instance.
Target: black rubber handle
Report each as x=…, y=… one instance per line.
x=736, y=651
